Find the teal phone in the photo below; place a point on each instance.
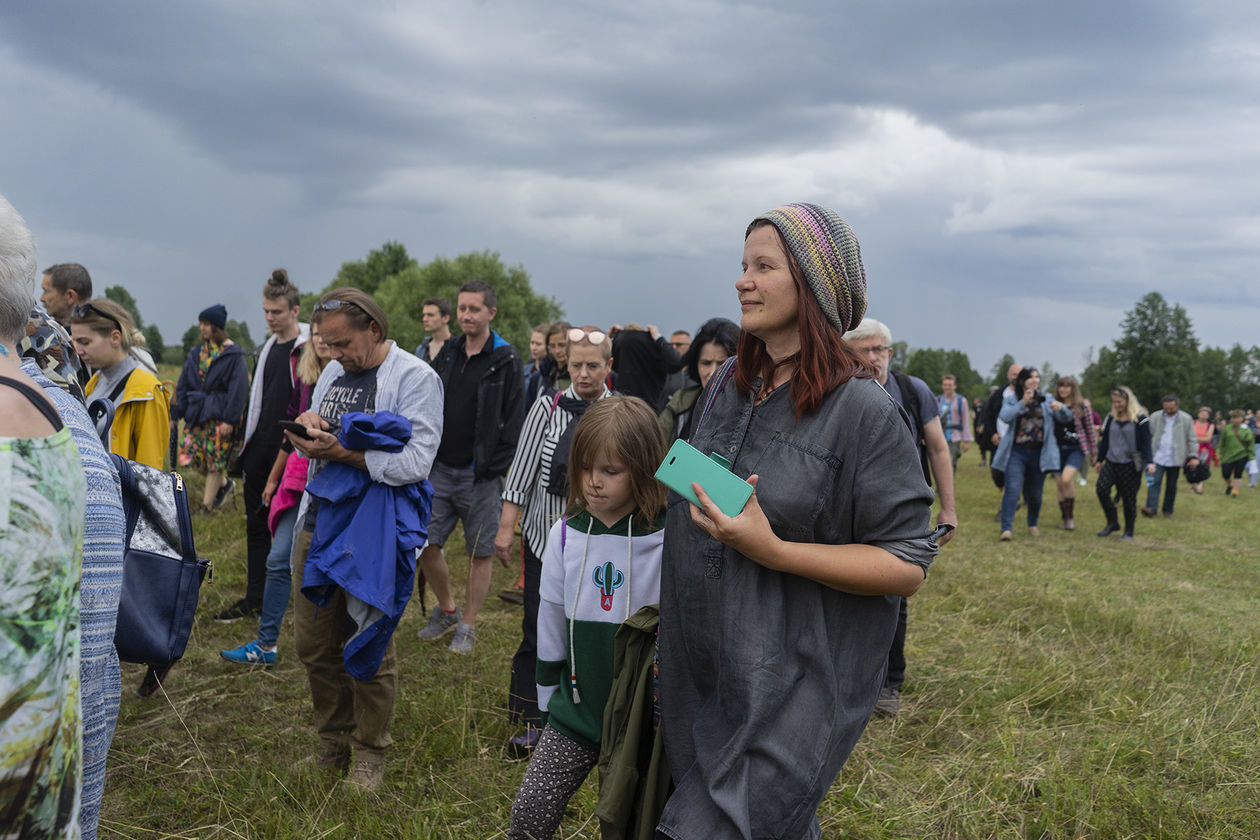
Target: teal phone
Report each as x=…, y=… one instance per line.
x=684, y=464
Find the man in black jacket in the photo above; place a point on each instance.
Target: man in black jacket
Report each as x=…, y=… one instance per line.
x=642, y=359
x=483, y=411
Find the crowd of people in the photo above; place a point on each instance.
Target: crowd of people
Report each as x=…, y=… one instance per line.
x=1031, y=433
x=709, y=658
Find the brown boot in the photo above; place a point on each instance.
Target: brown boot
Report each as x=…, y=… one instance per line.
x=368, y=771
x=1067, y=507
x=331, y=756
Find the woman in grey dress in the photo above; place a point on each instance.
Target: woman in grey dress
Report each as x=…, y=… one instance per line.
x=776, y=624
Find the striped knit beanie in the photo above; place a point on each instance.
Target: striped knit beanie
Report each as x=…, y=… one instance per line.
x=825, y=248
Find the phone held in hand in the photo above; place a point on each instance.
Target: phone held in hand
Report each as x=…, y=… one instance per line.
x=297, y=429
x=684, y=464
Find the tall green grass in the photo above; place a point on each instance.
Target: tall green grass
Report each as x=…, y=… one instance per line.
x=1060, y=687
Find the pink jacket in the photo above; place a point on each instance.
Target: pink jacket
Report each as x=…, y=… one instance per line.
x=289, y=493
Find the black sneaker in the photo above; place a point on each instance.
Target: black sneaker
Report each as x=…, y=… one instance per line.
x=241, y=609
x=224, y=492
x=889, y=702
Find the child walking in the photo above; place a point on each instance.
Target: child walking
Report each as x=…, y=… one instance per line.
x=602, y=563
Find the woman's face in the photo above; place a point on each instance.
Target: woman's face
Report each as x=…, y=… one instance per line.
x=537, y=346
x=1204, y=414
x=711, y=357
x=1034, y=381
x=1064, y=391
x=99, y=351
x=207, y=331
x=558, y=347
x=1119, y=403
x=767, y=292
x=321, y=349
x=587, y=368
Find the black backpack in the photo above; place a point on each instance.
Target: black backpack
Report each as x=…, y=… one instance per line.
x=558, y=476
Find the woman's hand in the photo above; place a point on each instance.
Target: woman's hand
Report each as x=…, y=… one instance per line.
x=749, y=533
x=1056, y=405
x=1029, y=393
x=270, y=490
x=224, y=429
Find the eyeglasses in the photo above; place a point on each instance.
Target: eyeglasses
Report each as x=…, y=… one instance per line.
x=879, y=348
x=84, y=310
x=577, y=334
x=333, y=305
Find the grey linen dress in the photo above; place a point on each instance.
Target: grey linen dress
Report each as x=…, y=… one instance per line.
x=768, y=679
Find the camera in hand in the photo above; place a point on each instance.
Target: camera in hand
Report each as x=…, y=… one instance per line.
x=1038, y=398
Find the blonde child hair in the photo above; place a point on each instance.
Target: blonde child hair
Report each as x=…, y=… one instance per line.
x=626, y=429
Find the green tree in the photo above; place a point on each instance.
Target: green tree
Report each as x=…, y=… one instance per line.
x=1099, y=377
x=370, y=273
x=998, y=375
x=192, y=337
x=520, y=307
x=153, y=341
x=928, y=364
x=124, y=298
x=238, y=331
x=1157, y=351
x=931, y=365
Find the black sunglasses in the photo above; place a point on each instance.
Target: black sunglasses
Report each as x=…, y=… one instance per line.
x=83, y=310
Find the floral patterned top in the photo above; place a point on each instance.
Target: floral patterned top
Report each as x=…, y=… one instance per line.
x=42, y=492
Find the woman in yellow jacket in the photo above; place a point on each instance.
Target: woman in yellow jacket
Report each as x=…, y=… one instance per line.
x=106, y=339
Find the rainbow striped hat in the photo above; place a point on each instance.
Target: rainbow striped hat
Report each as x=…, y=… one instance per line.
x=827, y=251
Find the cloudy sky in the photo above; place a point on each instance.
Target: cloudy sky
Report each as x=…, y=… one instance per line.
x=1018, y=174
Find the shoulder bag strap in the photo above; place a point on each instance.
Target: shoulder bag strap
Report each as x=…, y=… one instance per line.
x=36, y=399
x=715, y=387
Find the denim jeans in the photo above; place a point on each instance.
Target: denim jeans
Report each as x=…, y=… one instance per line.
x=1170, y=492
x=276, y=592
x=1023, y=471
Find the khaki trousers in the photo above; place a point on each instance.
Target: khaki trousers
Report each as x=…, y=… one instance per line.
x=347, y=712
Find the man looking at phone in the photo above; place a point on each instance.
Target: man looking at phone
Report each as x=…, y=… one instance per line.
x=269, y=397
x=483, y=413
x=873, y=341
x=371, y=374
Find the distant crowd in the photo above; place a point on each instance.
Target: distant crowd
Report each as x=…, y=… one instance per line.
x=659, y=633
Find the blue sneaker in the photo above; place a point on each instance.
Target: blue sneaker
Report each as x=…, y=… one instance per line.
x=250, y=653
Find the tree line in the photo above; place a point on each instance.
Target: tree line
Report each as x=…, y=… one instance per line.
x=399, y=283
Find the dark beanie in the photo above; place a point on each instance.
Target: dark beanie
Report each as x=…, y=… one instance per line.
x=215, y=316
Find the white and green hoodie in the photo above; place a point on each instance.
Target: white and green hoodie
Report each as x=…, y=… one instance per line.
x=593, y=578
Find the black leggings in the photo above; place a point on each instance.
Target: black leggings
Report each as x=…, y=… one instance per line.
x=1124, y=478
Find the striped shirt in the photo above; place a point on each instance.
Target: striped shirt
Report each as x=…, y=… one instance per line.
x=528, y=477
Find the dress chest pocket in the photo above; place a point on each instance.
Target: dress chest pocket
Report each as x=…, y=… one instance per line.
x=795, y=485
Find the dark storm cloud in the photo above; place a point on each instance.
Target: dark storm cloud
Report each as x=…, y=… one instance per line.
x=998, y=159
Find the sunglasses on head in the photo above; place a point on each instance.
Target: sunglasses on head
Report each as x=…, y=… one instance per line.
x=84, y=310
x=333, y=305
x=577, y=334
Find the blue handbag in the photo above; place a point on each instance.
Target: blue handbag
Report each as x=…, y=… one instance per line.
x=161, y=571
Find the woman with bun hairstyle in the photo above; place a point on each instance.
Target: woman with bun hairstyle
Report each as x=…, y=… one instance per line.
x=714, y=343
x=775, y=624
x=104, y=337
x=210, y=398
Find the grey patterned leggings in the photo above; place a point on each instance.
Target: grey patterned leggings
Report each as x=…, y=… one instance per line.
x=556, y=770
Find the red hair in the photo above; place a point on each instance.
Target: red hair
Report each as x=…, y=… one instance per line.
x=825, y=361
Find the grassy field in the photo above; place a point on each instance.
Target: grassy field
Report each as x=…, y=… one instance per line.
x=1060, y=687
